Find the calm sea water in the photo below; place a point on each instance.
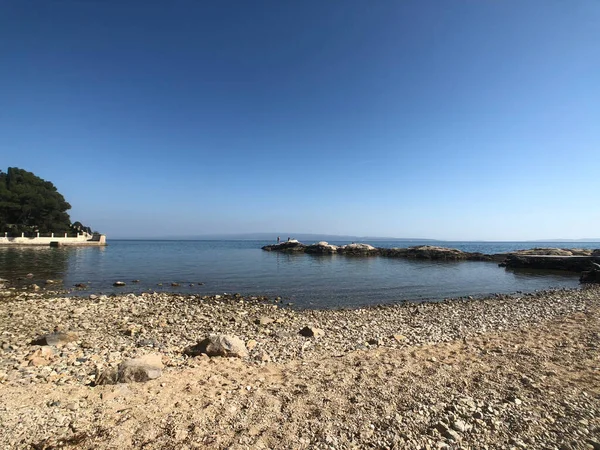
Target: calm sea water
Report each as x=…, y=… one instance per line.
x=305, y=280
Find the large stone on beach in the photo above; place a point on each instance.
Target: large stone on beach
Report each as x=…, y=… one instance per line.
x=219, y=345
x=58, y=338
x=311, y=332
x=144, y=368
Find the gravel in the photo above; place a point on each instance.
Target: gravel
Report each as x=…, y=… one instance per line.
x=501, y=372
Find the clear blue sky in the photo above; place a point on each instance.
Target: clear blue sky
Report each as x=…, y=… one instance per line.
x=437, y=119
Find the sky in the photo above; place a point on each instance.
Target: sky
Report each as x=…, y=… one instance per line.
x=453, y=120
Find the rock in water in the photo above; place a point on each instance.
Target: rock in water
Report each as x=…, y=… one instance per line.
x=321, y=248
x=288, y=246
x=219, y=345
x=357, y=249
x=119, y=283
x=144, y=368
x=591, y=276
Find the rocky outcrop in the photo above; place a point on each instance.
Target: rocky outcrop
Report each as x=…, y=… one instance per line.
x=549, y=251
x=357, y=249
x=432, y=253
x=321, y=248
x=292, y=246
x=575, y=260
x=549, y=262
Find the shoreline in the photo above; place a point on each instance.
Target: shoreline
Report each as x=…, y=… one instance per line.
x=399, y=356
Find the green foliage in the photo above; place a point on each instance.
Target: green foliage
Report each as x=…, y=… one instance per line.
x=29, y=204
x=78, y=227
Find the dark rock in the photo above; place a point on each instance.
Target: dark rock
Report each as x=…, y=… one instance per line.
x=549, y=262
x=288, y=247
x=311, y=332
x=590, y=276
x=58, y=338
x=119, y=283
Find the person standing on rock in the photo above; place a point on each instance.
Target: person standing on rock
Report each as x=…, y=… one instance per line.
x=278, y=239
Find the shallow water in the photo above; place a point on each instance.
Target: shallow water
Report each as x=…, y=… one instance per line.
x=306, y=280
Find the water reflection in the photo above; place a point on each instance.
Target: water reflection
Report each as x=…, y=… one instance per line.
x=43, y=262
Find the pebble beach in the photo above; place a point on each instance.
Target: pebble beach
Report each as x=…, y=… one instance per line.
x=510, y=371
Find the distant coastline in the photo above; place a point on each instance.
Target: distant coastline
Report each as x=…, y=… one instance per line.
x=316, y=237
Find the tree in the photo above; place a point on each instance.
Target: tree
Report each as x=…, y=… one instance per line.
x=29, y=203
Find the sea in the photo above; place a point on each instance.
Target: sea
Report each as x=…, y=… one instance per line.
x=206, y=267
